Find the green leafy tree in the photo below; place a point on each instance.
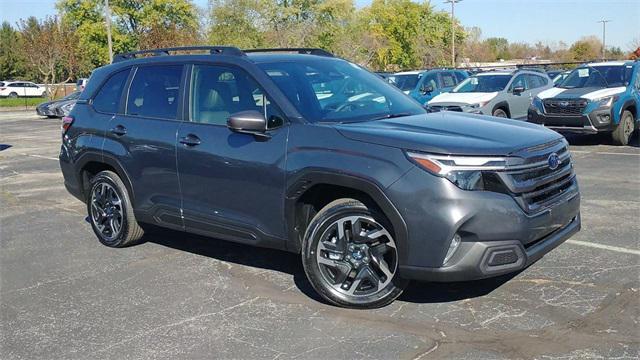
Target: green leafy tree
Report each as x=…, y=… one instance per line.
x=12, y=64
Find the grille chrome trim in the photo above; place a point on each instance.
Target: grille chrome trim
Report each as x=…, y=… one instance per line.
x=569, y=107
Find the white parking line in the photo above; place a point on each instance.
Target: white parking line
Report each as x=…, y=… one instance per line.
x=605, y=247
x=39, y=156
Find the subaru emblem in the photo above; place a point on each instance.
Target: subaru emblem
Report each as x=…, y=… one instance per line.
x=554, y=161
x=564, y=104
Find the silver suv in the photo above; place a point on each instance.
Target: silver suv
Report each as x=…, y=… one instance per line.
x=498, y=93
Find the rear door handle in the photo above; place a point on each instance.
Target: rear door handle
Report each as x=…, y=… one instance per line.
x=190, y=140
x=119, y=130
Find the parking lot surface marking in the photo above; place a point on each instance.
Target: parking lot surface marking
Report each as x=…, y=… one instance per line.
x=605, y=247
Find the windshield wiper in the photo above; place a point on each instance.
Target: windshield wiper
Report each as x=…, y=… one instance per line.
x=392, y=116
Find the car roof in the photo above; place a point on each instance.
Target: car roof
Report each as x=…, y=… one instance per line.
x=412, y=72
x=610, y=63
x=487, y=73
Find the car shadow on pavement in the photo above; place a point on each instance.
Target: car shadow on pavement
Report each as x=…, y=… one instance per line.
x=282, y=261
x=4, y=146
x=599, y=139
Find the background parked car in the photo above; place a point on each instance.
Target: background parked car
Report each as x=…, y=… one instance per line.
x=497, y=93
x=14, y=89
x=406, y=80
x=81, y=84
x=594, y=98
x=434, y=82
x=49, y=108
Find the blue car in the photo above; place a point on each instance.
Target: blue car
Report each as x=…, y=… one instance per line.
x=594, y=98
x=435, y=82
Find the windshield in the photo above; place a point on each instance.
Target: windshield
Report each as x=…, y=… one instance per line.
x=483, y=83
x=405, y=82
x=338, y=91
x=597, y=76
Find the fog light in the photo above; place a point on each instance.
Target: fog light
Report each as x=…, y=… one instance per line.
x=604, y=118
x=453, y=246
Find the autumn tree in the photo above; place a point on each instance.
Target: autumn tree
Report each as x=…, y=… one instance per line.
x=11, y=58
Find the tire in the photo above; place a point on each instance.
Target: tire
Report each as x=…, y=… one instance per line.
x=358, y=275
x=500, y=113
x=108, y=204
x=44, y=94
x=13, y=95
x=623, y=131
x=52, y=116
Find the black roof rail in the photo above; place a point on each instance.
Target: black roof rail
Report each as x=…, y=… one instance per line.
x=213, y=50
x=307, y=51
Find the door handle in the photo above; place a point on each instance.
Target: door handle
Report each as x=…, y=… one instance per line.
x=119, y=130
x=190, y=140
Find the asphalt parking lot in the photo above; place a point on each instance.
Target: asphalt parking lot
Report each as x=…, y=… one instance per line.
x=65, y=296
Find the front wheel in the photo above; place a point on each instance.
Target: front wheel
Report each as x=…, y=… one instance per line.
x=622, y=133
x=111, y=212
x=13, y=95
x=350, y=256
x=500, y=113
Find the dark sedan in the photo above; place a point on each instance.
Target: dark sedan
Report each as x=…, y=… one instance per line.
x=50, y=108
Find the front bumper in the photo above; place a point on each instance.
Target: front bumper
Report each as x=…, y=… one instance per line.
x=479, y=260
x=599, y=120
x=44, y=111
x=498, y=236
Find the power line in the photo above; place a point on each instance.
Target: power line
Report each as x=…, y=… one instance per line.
x=453, y=30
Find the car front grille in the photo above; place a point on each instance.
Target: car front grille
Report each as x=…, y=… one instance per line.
x=571, y=107
x=537, y=186
x=436, y=108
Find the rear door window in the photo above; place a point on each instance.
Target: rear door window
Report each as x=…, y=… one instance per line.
x=154, y=92
x=107, y=100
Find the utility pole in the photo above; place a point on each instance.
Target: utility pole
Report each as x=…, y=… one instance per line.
x=453, y=30
x=107, y=15
x=604, y=32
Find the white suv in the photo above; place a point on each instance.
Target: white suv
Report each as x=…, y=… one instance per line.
x=14, y=89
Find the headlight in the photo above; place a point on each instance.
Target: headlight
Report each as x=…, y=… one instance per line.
x=479, y=105
x=466, y=172
x=606, y=101
x=66, y=108
x=537, y=103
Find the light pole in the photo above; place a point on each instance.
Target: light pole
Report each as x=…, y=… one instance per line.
x=604, y=31
x=107, y=15
x=453, y=31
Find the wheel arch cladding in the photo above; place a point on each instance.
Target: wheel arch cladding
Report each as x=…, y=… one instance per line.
x=502, y=105
x=631, y=106
x=90, y=164
x=320, y=188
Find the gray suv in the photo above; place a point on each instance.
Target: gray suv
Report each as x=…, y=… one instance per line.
x=499, y=93
x=297, y=150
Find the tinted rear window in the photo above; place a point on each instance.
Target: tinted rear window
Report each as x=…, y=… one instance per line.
x=108, y=97
x=154, y=92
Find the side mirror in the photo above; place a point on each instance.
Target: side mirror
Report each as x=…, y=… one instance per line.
x=426, y=89
x=518, y=90
x=248, y=122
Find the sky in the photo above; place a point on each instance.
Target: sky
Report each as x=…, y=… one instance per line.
x=529, y=21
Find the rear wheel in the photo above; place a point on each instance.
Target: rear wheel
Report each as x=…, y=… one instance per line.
x=13, y=95
x=500, y=113
x=110, y=211
x=622, y=133
x=350, y=256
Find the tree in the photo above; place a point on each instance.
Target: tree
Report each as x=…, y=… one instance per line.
x=237, y=22
x=499, y=48
x=587, y=48
x=49, y=48
x=11, y=59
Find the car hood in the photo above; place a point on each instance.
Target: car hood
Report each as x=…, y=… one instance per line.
x=451, y=133
x=589, y=93
x=462, y=98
